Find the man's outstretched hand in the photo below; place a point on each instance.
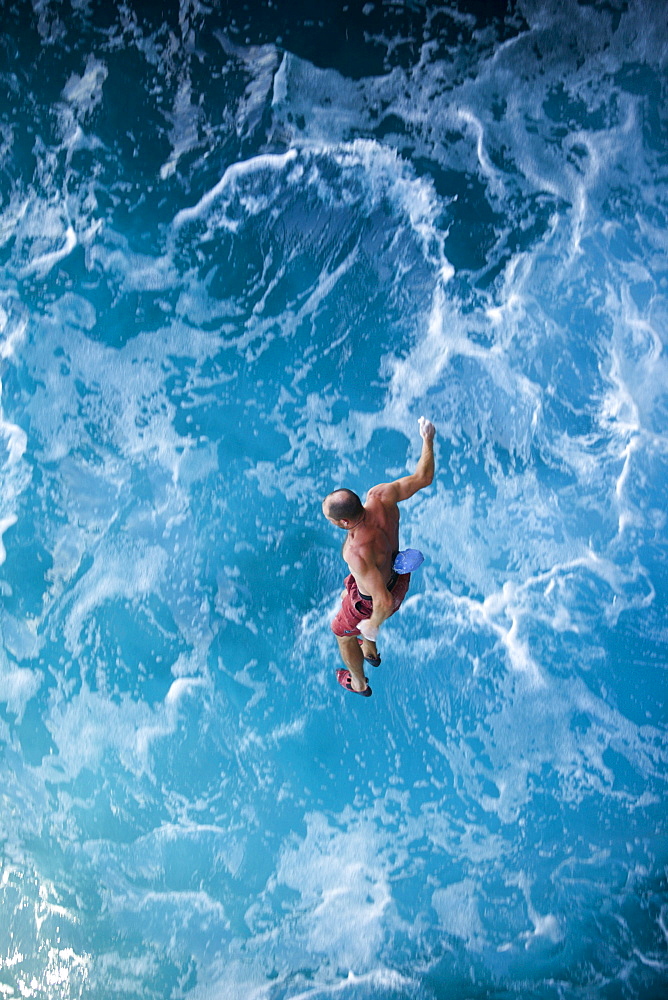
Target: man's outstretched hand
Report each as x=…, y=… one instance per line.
x=427, y=429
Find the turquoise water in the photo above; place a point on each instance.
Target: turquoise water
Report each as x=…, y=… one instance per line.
x=241, y=252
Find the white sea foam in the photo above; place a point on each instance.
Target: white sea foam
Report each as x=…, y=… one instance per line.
x=18, y=686
x=43, y=263
x=184, y=135
x=342, y=884
x=375, y=980
x=85, y=92
x=16, y=438
x=114, y=574
x=261, y=63
x=304, y=92
x=231, y=177
x=12, y=339
x=182, y=687
x=458, y=914
x=15, y=472
x=188, y=908
x=5, y=523
x=89, y=729
x=492, y=175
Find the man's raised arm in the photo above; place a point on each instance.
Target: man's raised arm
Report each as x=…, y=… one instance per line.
x=402, y=489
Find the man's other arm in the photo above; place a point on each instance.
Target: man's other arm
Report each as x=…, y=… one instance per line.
x=370, y=581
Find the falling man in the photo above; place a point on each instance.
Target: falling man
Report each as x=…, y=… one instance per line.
x=379, y=573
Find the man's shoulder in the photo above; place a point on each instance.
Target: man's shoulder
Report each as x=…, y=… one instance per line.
x=383, y=493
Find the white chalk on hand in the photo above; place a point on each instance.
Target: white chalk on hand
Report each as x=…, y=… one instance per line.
x=369, y=632
x=425, y=426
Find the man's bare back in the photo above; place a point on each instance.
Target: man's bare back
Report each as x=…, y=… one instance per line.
x=373, y=591
x=376, y=541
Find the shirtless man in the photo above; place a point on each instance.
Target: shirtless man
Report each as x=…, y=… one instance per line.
x=374, y=591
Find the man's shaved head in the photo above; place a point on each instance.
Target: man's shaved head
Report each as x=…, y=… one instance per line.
x=343, y=505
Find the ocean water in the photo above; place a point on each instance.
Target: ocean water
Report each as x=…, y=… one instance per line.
x=243, y=247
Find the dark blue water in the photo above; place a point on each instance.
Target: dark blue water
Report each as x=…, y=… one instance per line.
x=242, y=249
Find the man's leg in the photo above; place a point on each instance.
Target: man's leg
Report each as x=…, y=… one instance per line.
x=370, y=652
x=351, y=654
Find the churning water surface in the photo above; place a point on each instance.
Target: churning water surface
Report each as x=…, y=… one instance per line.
x=242, y=249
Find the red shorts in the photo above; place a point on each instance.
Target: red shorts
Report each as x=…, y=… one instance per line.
x=355, y=609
